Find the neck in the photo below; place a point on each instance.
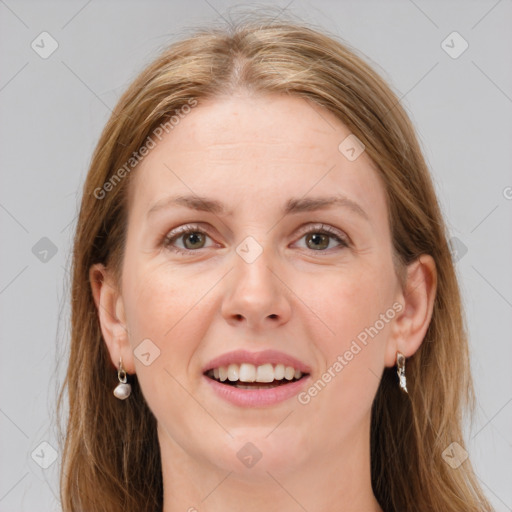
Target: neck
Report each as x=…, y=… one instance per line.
x=338, y=479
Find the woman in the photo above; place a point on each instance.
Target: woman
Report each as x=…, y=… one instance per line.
x=265, y=310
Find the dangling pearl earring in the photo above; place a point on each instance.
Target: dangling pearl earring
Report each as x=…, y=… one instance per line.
x=400, y=363
x=123, y=389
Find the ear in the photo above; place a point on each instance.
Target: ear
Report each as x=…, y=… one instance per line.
x=417, y=297
x=111, y=314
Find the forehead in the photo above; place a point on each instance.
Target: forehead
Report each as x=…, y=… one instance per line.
x=252, y=148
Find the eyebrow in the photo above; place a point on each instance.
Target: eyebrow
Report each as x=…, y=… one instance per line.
x=293, y=205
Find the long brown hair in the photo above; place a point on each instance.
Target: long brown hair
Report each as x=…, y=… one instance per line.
x=111, y=458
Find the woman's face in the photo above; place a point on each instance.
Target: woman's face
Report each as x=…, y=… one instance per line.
x=258, y=272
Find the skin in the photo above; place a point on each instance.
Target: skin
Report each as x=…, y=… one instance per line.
x=254, y=153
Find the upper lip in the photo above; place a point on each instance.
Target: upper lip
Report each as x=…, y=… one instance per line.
x=257, y=359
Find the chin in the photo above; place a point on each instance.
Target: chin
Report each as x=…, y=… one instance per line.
x=252, y=453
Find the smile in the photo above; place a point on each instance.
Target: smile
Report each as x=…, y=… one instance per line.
x=249, y=376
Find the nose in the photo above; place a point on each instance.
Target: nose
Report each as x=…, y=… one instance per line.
x=256, y=294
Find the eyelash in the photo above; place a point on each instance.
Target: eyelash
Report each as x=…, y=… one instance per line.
x=170, y=238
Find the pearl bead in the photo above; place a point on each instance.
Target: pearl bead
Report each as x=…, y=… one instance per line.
x=122, y=391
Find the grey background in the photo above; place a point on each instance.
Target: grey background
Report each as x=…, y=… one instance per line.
x=52, y=111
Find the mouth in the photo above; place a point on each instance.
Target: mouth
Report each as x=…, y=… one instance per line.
x=251, y=377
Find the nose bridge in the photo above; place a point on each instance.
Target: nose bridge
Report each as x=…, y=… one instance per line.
x=255, y=293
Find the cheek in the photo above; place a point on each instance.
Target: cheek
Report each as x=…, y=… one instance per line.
x=152, y=303
x=345, y=301
x=162, y=321
x=339, y=400
x=156, y=305
x=351, y=338
x=159, y=298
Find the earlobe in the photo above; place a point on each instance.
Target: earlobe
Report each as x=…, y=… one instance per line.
x=418, y=297
x=111, y=316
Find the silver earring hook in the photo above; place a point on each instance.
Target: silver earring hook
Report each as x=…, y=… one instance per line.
x=400, y=362
x=121, y=373
x=123, y=389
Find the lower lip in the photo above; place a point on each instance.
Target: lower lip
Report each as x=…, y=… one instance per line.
x=256, y=397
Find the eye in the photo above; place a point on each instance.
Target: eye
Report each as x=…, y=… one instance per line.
x=192, y=238
x=319, y=237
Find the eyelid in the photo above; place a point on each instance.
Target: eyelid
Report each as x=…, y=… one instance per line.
x=174, y=234
x=319, y=226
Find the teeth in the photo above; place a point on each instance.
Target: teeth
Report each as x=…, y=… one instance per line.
x=265, y=373
x=289, y=372
x=279, y=372
x=233, y=370
x=223, y=373
x=246, y=372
